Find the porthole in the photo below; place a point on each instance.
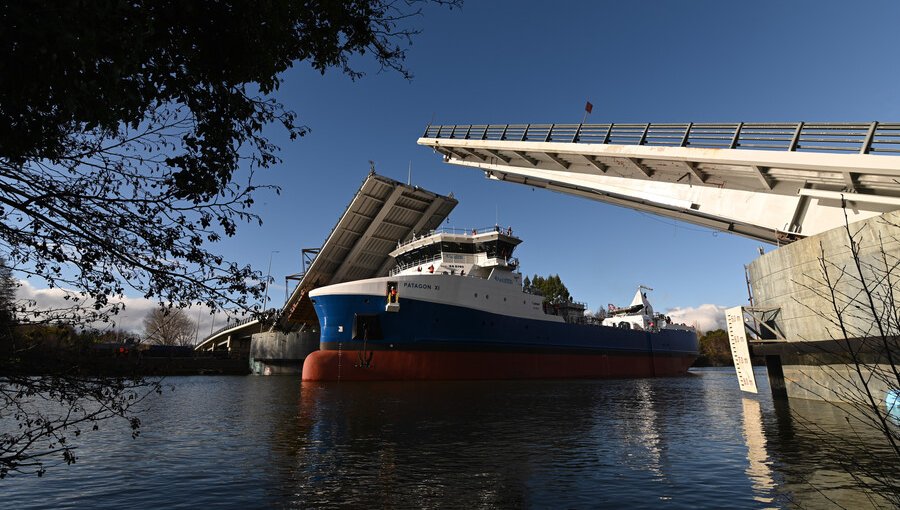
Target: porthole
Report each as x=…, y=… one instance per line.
x=476, y=294
x=487, y=296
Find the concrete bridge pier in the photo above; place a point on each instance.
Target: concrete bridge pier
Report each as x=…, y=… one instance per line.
x=838, y=344
x=276, y=353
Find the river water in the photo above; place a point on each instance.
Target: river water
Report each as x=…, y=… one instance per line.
x=263, y=442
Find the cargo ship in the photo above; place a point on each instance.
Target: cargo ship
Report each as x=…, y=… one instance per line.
x=454, y=307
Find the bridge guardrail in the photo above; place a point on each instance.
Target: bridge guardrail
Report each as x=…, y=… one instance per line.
x=228, y=325
x=858, y=138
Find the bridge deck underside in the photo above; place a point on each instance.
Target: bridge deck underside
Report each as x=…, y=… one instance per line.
x=770, y=195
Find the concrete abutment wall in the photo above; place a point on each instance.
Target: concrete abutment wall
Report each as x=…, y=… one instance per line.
x=274, y=353
x=833, y=329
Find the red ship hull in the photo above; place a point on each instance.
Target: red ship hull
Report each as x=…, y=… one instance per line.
x=389, y=365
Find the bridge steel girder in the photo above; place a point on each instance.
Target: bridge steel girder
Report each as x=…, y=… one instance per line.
x=691, y=169
x=767, y=195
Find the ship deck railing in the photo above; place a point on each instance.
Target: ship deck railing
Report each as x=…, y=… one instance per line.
x=420, y=262
x=511, y=263
x=458, y=232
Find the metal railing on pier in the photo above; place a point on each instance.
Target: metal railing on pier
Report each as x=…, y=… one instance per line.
x=857, y=138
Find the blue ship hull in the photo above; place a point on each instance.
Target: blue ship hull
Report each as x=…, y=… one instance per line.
x=424, y=338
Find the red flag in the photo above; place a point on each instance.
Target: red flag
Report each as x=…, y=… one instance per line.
x=588, y=107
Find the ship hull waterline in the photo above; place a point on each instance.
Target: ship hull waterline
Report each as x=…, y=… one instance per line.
x=394, y=365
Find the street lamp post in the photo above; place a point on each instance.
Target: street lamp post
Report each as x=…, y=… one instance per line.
x=266, y=294
x=268, y=277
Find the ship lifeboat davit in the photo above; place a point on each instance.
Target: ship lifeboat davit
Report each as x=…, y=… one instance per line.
x=391, y=365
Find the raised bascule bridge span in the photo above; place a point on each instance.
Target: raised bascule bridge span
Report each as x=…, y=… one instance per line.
x=381, y=214
x=799, y=185
x=774, y=182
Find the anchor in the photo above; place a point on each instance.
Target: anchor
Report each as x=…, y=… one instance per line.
x=364, y=357
x=363, y=360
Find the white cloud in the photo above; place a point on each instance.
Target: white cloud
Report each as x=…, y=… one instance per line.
x=704, y=317
x=130, y=319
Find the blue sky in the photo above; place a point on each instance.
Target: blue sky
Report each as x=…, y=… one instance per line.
x=523, y=61
x=538, y=62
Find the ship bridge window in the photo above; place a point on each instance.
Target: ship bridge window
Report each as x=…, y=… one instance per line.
x=496, y=249
x=451, y=247
x=423, y=253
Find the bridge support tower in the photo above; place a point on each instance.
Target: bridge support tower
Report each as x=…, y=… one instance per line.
x=275, y=353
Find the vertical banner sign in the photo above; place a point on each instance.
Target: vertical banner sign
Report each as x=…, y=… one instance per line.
x=740, y=349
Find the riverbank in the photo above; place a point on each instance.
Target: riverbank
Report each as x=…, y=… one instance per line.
x=123, y=360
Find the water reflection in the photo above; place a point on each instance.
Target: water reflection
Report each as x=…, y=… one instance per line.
x=644, y=428
x=823, y=460
x=582, y=443
x=758, y=470
x=507, y=444
x=395, y=443
x=262, y=442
